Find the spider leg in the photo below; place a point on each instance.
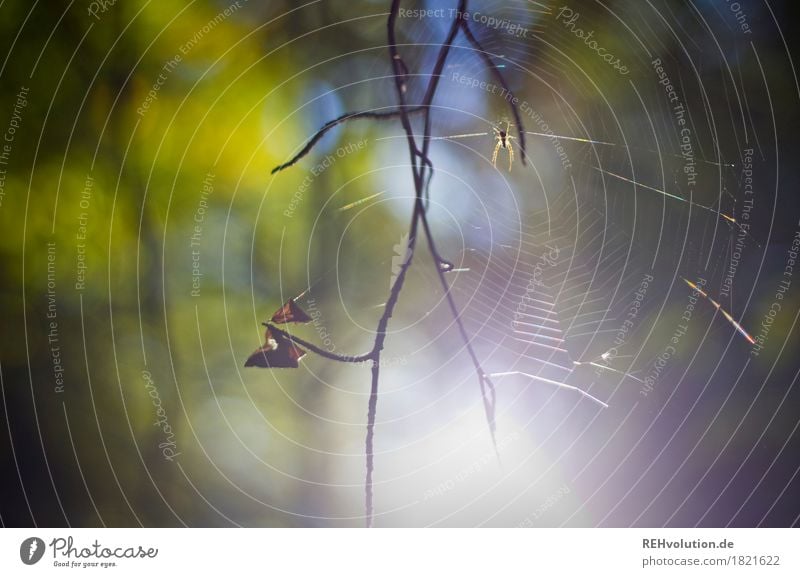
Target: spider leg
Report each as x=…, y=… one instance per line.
x=510, y=155
x=496, y=150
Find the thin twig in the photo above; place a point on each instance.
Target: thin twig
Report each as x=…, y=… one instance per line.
x=483, y=378
x=336, y=122
x=436, y=74
x=441, y=264
x=551, y=382
x=423, y=172
x=321, y=352
x=420, y=162
x=400, y=71
x=499, y=77
x=380, y=338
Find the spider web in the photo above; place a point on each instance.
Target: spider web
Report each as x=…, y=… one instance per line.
x=557, y=297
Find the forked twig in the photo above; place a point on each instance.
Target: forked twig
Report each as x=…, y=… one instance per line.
x=369, y=114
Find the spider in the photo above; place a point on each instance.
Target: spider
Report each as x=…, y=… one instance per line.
x=503, y=139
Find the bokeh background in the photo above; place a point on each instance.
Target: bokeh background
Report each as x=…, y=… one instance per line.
x=144, y=240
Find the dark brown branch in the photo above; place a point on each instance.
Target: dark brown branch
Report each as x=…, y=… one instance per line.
x=436, y=74
x=380, y=339
x=400, y=71
x=441, y=264
x=433, y=84
x=483, y=378
x=499, y=78
x=423, y=171
x=336, y=122
x=419, y=162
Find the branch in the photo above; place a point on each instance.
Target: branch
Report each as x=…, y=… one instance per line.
x=321, y=352
x=483, y=378
x=499, y=77
x=380, y=338
x=433, y=84
x=436, y=74
x=423, y=171
x=423, y=174
x=419, y=163
x=443, y=265
x=336, y=122
x=400, y=71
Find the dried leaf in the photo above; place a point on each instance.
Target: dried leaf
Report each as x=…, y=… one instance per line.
x=278, y=352
x=290, y=313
